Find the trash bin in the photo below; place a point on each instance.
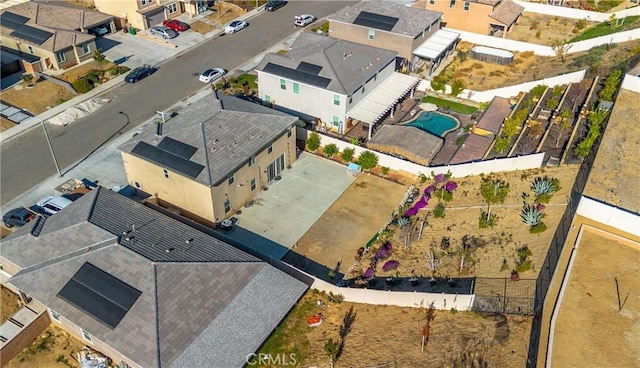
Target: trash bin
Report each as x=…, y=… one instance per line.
x=132, y=31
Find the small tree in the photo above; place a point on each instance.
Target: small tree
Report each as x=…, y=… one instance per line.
x=368, y=160
x=330, y=150
x=313, y=142
x=438, y=84
x=560, y=47
x=99, y=57
x=501, y=144
x=331, y=349
x=610, y=86
x=494, y=191
x=457, y=86
x=347, y=154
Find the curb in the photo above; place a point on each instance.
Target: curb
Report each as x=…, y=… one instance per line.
x=161, y=42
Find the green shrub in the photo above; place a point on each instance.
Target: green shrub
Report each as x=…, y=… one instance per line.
x=356, y=141
x=368, y=160
x=523, y=260
x=27, y=77
x=460, y=140
x=313, y=142
x=423, y=178
x=443, y=195
x=384, y=170
x=483, y=223
x=330, y=150
x=94, y=76
x=543, y=198
x=438, y=84
x=538, y=228
x=347, y=154
x=502, y=144
x=538, y=90
x=505, y=265
x=82, y=85
x=457, y=86
x=438, y=212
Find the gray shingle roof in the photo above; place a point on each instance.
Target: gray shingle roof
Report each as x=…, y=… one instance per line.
x=411, y=21
x=347, y=64
x=224, y=139
x=183, y=302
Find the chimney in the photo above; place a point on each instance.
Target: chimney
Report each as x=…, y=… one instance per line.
x=159, y=129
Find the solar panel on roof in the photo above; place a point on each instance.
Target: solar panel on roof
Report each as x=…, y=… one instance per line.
x=99, y=294
x=309, y=68
x=298, y=75
x=166, y=159
x=177, y=148
x=12, y=20
x=376, y=21
x=31, y=34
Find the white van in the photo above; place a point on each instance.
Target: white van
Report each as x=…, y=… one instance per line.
x=51, y=205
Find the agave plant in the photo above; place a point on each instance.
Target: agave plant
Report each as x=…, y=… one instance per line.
x=543, y=186
x=404, y=222
x=531, y=215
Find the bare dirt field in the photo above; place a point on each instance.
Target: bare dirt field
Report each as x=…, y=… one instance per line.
x=6, y=124
x=388, y=334
x=9, y=304
x=544, y=29
x=54, y=348
x=526, y=67
x=351, y=221
x=38, y=99
x=590, y=331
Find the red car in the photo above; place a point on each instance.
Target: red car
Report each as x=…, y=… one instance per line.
x=176, y=25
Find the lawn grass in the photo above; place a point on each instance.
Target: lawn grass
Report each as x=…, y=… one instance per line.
x=240, y=81
x=291, y=335
x=453, y=106
x=324, y=27
x=604, y=29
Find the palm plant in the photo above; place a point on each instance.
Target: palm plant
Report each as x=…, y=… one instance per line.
x=403, y=222
x=531, y=215
x=543, y=185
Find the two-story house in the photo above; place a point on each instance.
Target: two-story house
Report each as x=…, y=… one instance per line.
x=213, y=158
x=333, y=82
x=143, y=14
x=50, y=36
x=144, y=288
x=493, y=17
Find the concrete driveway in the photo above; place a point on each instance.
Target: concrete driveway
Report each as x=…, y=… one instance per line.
x=293, y=204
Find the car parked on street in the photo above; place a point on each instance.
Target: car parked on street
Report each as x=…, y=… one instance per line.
x=235, y=26
x=163, y=31
x=175, y=25
x=210, y=75
x=99, y=31
x=274, y=5
x=52, y=204
x=20, y=216
x=140, y=73
x=304, y=20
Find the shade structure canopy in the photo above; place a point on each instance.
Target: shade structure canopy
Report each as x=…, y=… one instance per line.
x=436, y=45
x=383, y=98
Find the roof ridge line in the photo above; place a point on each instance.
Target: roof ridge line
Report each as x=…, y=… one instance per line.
x=324, y=53
x=156, y=312
x=206, y=152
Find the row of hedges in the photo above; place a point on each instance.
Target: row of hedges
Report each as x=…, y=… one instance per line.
x=95, y=76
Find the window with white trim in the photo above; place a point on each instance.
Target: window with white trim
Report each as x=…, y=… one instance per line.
x=252, y=161
x=283, y=84
x=466, y=6
x=54, y=315
x=231, y=178
x=30, y=49
x=227, y=206
x=86, y=48
x=432, y=2
x=452, y=4
x=172, y=8
x=336, y=100
x=61, y=57
x=253, y=184
x=270, y=149
x=166, y=173
x=296, y=88
x=336, y=121
x=372, y=34
x=145, y=2
x=86, y=335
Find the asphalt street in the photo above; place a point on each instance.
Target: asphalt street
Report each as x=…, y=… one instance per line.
x=26, y=160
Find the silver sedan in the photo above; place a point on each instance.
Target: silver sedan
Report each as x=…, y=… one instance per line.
x=163, y=31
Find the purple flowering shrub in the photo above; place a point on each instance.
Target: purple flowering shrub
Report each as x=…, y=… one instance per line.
x=430, y=189
x=369, y=273
x=450, y=186
x=440, y=178
x=390, y=265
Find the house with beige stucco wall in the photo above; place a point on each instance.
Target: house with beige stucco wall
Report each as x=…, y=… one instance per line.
x=55, y=36
x=142, y=14
x=487, y=17
x=211, y=160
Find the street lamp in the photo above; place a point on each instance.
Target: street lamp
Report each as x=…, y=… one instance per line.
x=46, y=135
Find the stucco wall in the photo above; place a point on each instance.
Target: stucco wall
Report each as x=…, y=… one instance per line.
x=122, y=9
x=403, y=45
x=475, y=20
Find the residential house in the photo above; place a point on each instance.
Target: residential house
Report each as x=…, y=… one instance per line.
x=493, y=17
x=145, y=289
x=142, y=14
x=333, y=83
x=213, y=158
x=50, y=36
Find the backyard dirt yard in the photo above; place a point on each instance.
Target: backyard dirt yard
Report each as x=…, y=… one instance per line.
x=351, y=221
x=494, y=251
x=384, y=334
x=549, y=28
x=54, y=348
x=526, y=67
x=590, y=331
x=38, y=99
x=9, y=305
x=6, y=124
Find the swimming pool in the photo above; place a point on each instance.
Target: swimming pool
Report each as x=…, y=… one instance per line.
x=434, y=123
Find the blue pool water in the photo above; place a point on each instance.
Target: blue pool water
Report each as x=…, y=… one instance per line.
x=434, y=123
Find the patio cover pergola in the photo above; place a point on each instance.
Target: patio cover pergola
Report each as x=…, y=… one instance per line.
x=437, y=47
x=384, y=99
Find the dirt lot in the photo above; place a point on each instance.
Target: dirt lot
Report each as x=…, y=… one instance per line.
x=590, y=332
x=54, y=348
x=550, y=28
x=6, y=124
x=38, y=99
x=351, y=221
x=526, y=67
x=384, y=334
x=9, y=304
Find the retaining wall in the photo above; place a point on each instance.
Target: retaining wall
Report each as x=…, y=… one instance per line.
x=631, y=83
x=609, y=215
x=574, y=13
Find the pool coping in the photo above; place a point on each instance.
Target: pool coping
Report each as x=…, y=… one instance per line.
x=458, y=123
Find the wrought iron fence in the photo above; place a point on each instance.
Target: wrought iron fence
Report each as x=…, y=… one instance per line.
x=502, y=295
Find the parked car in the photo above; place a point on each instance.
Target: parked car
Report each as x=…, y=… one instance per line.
x=274, y=5
x=175, y=25
x=52, y=204
x=304, y=20
x=99, y=31
x=210, y=75
x=140, y=73
x=163, y=31
x=235, y=26
x=20, y=216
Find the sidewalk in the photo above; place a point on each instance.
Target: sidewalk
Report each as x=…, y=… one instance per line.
x=32, y=122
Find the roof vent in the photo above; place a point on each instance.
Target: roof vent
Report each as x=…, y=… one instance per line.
x=188, y=241
x=168, y=250
x=344, y=56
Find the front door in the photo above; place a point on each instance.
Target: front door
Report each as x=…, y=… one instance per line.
x=275, y=168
